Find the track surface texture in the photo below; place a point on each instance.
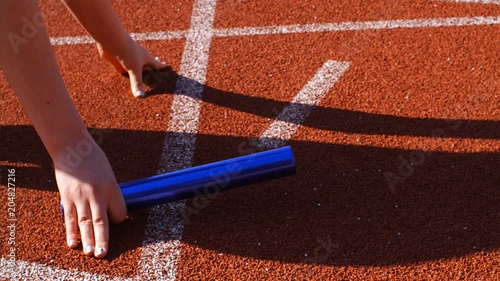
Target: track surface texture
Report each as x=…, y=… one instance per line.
x=392, y=109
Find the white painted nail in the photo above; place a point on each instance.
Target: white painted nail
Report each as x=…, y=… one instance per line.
x=89, y=249
x=72, y=243
x=99, y=251
x=140, y=94
x=157, y=59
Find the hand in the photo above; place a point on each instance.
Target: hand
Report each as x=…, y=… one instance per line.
x=90, y=195
x=133, y=60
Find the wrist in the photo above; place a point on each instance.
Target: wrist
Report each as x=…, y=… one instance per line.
x=69, y=151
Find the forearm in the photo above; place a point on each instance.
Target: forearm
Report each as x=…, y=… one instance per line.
x=31, y=69
x=101, y=22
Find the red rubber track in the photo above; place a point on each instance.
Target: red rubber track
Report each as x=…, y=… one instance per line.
x=439, y=223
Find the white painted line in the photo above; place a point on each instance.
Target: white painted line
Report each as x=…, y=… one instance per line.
x=23, y=270
x=289, y=120
x=148, y=36
x=71, y=40
x=353, y=26
x=155, y=36
x=302, y=28
x=496, y=2
x=161, y=247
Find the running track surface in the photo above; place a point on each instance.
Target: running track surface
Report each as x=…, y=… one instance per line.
x=399, y=90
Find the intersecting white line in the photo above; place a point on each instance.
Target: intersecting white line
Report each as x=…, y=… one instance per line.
x=357, y=26
x=161, y=246
x=303, y=28
x=292, y=116
x=23, y=270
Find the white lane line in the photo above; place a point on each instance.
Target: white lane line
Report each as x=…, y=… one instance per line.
x=23, y=270
x=353, y=26
x=71, y=40
x=161, y=247
x=148, y=36
x=160, y=35
x=302, y=28
x=496, y=2
x=289, y=120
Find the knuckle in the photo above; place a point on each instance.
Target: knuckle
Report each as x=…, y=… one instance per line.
x=100, y=221
x=70, y=219
x=84, y=220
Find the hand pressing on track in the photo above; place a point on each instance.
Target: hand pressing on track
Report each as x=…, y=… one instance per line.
x=113, y=42
x=132, y=61
x=90, y=195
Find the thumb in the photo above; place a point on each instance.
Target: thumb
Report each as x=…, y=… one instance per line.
x=136, y=83
x=117, y=210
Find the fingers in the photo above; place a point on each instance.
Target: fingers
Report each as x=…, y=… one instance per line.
x=117, y=210
x=86, y=228
x=94, y=228
x=71, y=223
x=136, y=75
x=93, y=221
x=136, y=83
x=101, y=230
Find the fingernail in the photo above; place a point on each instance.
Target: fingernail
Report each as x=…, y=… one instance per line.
x=157, y=59
x=72, y=243
x=99, y=251
x=140, y=94
x=89, y=249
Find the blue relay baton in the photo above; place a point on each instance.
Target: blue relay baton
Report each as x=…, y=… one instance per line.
x=208, y=179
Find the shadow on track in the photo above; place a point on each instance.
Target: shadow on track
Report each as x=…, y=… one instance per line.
x=448, y=206
x=339, y=120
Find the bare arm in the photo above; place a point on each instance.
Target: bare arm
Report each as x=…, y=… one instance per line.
x=101, y=22
x=88, y=188
x=31, y=69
